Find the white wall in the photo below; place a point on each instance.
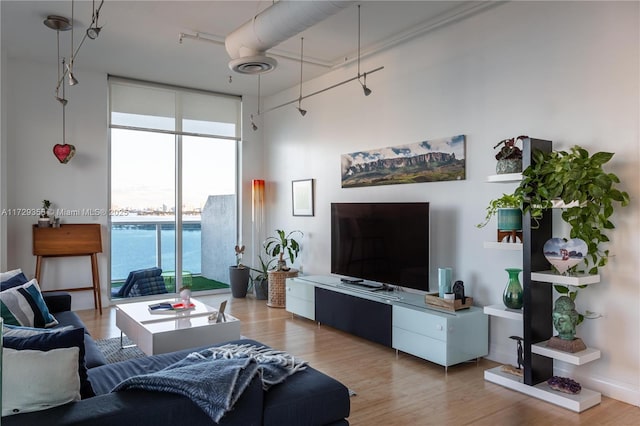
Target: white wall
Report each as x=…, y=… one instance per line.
x=34, y=125
x=564, y=71
x=3, y=156
x=34, y=174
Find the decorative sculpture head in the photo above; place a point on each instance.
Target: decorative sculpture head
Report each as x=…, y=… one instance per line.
x=565, y=318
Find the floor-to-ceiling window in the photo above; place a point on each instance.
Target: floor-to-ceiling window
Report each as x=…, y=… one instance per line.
x=173, y=166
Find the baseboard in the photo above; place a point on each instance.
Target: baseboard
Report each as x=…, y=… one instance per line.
x=610, y=388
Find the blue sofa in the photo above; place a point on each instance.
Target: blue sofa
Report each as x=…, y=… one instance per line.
x=308, y=397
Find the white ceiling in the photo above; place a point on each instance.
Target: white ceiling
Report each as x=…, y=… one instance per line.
x=140, y=39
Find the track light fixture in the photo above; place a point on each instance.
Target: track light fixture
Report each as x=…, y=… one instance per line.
x=72, y=79
x=366, y=90
x=60, y=23
x=94, y=30
x=359, y=77
x=302, y=112
x=64, y=152
x=253, y=124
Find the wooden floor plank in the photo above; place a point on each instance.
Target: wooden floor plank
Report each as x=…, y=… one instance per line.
x=402, y=390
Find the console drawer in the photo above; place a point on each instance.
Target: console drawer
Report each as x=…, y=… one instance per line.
x=420, y=322
x=301, y=307
x=300, y=290
x=433, y=350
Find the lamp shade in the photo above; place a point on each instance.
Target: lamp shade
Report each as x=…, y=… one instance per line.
x=257, y=218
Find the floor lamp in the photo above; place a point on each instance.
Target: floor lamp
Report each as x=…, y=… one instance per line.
x=257, y=218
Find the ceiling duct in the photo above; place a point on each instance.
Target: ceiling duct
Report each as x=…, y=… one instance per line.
x=247, y=44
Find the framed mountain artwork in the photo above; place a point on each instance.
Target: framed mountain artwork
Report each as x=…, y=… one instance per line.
x=427, y=161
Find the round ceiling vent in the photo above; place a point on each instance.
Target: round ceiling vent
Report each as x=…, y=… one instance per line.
x=253, y=64
x=58, y=23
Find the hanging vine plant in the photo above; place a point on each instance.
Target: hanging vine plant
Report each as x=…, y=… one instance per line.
x=576, y=178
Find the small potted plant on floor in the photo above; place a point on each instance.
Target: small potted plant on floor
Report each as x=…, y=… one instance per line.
x=261, y=278
x=239, y=275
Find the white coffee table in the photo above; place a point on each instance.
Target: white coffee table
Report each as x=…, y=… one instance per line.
x=157, y=333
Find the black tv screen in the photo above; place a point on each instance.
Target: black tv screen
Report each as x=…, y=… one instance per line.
x=386, y=243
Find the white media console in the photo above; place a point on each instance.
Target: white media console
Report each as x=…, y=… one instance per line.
x=400, y=320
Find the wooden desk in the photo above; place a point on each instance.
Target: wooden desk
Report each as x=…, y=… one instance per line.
x=70, y=240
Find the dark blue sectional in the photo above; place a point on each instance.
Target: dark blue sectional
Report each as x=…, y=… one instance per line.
x=308, y=397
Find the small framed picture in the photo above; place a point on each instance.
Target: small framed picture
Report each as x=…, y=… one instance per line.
x=302, y=197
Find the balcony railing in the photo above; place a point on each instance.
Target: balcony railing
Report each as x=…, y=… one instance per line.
x=145, y=241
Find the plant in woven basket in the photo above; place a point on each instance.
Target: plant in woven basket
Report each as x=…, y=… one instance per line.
x=283, y=244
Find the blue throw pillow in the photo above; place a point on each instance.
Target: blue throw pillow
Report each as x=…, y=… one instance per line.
x=24, y=305
x=8, y=274
x=45, y=341
x=14, y=281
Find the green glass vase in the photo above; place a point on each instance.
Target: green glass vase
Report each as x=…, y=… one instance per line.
x=512, y=296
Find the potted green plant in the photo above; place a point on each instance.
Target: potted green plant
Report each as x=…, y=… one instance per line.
x=283, y=244
x=508, y=210
x=260, y=280
x=509, y=157
x=579, y=181
x=239, y=275
x=43, y=220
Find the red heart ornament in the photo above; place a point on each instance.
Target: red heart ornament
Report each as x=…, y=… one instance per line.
x=64, y=152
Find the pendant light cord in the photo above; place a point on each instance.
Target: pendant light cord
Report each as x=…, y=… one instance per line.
x=358, y=42
x=301, y=52
x=72, y=25
x=57, y=62
x=64, y=108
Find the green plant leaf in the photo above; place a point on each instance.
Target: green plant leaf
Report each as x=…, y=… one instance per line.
x=599, y=158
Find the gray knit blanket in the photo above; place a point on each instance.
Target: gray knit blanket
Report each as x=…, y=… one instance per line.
x=215, y=378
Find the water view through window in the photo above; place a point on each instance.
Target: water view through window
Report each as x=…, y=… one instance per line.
x=152, y=170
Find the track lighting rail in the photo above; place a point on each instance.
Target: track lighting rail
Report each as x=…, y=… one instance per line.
x=357, y=77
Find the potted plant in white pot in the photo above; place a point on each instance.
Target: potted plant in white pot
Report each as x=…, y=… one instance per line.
x=239, y=275
x=44, y=220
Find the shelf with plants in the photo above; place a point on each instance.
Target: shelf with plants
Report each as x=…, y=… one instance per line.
x=570, y=177
x=505, y=177
x=575, y=280
x=497, y=245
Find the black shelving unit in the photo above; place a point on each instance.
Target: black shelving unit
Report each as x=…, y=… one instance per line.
x=538, y=298
x=536, y=313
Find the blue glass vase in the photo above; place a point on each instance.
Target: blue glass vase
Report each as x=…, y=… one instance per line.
x=512, y=296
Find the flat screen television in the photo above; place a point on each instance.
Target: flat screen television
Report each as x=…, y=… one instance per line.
x=385, y=243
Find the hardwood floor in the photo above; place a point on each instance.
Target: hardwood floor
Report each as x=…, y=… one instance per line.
x=402, y=390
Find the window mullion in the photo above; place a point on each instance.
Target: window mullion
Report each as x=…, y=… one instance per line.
x=178, y=190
